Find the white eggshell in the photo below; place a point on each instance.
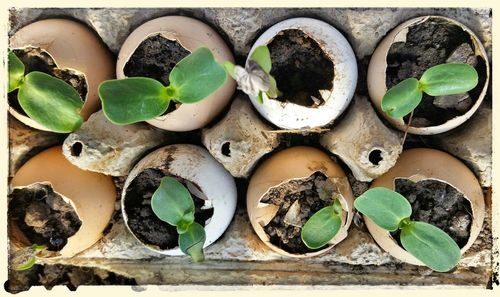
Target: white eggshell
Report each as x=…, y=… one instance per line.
x=195, y=164
x=338, y=49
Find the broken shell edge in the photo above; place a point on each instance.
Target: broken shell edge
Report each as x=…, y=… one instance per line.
x=291, y=164
x=376, y=77
x=195, y=164
x=424, y=164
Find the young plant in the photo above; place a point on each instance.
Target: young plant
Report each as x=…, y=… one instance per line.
x=172, y=203
x=135, y=99
x=440, y=80
x=255, y=79
x=31, y=253
x=47, y=100
x=391, y=211
x=323, y=225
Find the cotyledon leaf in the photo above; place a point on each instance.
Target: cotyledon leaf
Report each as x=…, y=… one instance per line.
x=51, y=102
x=431, y=245
x=384, y=207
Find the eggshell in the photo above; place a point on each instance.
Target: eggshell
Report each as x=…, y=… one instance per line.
x=292, y=164
x=377, y=76
x=421, y=164
x=293, y=116
x=191, y=34
x=92, y=194
x=72, y=46
x=195, y=164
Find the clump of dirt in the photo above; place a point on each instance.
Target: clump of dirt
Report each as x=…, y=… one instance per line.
x=428, y=44
x=311, y=194
x=36, y=59
x=143, y=221
x=66, y=275
x=301, y=68
x=439, y=204
x=43, y=216
x=155, y=58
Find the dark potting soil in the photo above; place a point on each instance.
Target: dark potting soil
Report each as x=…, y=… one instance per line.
x=439, y=204
x=428, y=44
x=155, y=57
x=301, y=68
x=141, y=218
x=43, y=216
x=66, y=275
x=312, y=193
x=34, y=59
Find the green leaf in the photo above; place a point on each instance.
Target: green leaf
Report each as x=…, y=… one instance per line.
x=384, y=207
x=51, y=102
x=431, y=245
x=173, y=203
x=321, y=227
x=191, y=242
x=448, y=79
x=16, y=71
x=185, y=222
x=262, y=56
x=273, y=91
x=197, y=76
x=38, y=247
x=402, y=99
x=31, y=261
x=131, y=100
x=260, y=99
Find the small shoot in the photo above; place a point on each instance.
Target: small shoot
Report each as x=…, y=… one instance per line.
x=439, y=80
x=135, y=99
x=47, y=100
x=172, y=203
x=391, y=211
x=255, y=79
x=31, y=252
x=323, y=225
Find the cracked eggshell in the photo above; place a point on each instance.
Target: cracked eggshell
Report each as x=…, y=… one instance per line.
x=333, y=43
x=195, y=164
x=291, y=164
x=72, y=46
x=420, y=164
x=376, y=77
x=92, y=194
x=191, y=34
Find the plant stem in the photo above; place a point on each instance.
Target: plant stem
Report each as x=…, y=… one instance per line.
x=406, y=130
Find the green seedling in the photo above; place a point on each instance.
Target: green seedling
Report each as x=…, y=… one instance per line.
x=440, y=80
x=47, y=100
x=391, y=211
x=255, y=79
x=323, y=225
x=32, y=251
x=172, y=203
x=135, y=99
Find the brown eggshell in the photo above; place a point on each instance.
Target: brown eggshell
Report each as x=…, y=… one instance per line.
x=290, y=164
x=92, y=194
x=191, y=34
x=72, y=46
x=420, y=164
x=376, y=76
